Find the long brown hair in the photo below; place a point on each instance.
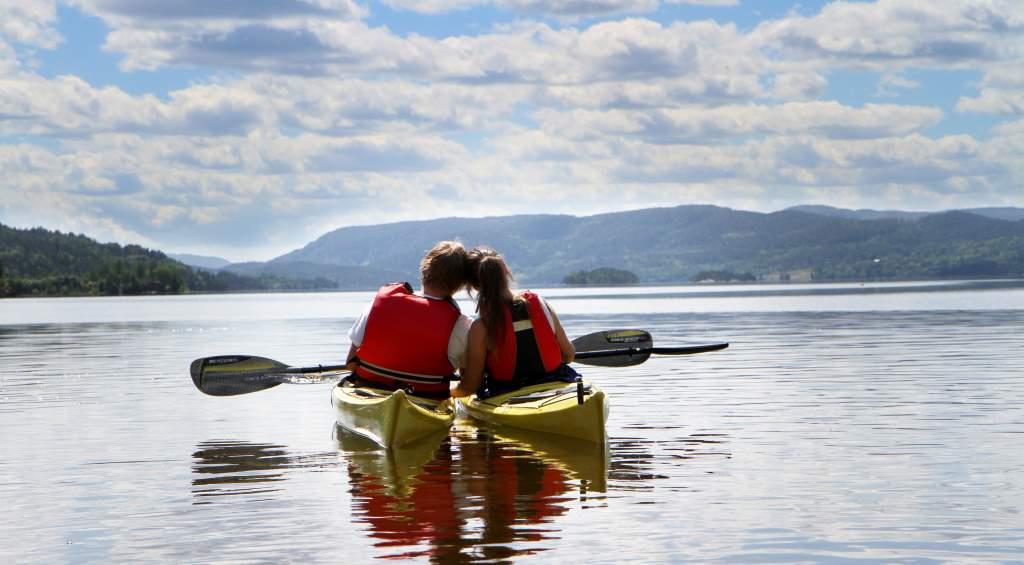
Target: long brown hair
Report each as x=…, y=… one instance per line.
x=489, y=276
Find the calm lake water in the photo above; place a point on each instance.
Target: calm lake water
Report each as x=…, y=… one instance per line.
x=847, y=422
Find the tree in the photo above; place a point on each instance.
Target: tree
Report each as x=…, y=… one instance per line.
x=604, y=275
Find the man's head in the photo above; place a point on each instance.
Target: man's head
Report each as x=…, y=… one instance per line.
x=443, y=268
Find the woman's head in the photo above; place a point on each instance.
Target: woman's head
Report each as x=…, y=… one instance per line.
x=443, y=268
x=488, y=275
x=486, y=267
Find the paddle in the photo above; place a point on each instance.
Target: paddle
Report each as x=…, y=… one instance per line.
x=625, y=348
x=229, y=375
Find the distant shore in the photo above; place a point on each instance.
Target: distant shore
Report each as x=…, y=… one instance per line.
x=556, y=286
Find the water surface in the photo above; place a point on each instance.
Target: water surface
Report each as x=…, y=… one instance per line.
x=880, y=422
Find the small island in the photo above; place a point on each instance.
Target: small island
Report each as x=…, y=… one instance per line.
x=601, y=276
x=722, y=277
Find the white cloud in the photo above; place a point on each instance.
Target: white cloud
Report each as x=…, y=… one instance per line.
x=224, y=13
x=566, y=9
x=68, y=106
x=30, y=22
x=1001, y=91
x=710, y=90
x=8, y=59
x=1012, y=129
x=725, y=124
x=431, y=6
x=892, y=83
x=798, y=85
x=333, y=120
x=705, y=2
x=579, y=8
x=1006, y=103
x=625, y=50
x=889, y=33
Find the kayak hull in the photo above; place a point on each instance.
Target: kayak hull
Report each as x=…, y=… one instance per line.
x=550, y=408
x=389, y=418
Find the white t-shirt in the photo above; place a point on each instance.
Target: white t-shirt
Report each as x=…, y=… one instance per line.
x=456, y=342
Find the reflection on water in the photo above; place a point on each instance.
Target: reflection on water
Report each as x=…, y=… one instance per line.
x=634, y=460
x=231, y=468
x=469, y=495
x=234, y=467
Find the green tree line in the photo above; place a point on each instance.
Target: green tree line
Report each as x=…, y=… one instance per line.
x=39, y=262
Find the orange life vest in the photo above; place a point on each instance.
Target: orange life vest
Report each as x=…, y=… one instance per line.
x=528, y=348
x=405, y=344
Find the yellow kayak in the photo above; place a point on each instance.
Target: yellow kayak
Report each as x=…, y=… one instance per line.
x=551, y=408
x=391, y=418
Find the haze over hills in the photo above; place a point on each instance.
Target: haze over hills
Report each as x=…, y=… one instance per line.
x=671, y=244
x=201, y=261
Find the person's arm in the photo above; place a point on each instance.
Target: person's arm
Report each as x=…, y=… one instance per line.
x=476, y=356
x=350, y=362
x=457, y=342
x=568, y=351
x=355, y=335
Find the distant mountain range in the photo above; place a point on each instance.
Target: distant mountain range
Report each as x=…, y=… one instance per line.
x=1009, y=214
x=665, y=245
x=659, y=245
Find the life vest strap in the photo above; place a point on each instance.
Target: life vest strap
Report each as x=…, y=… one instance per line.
x=406, y=376
x=522, y=325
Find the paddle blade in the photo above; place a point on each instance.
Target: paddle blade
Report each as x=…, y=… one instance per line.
x=229, y=375
x=624, y=348
x=689, y=349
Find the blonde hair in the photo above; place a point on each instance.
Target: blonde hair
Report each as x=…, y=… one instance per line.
x=444, y=267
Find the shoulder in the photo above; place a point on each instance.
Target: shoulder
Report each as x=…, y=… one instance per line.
x=477, y=333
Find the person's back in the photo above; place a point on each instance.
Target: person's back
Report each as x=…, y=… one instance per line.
x=517, y=339
x=410, y=341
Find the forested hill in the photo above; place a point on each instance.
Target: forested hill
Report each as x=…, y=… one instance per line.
x=673, y=244
x=50, y=263
x=659, y=245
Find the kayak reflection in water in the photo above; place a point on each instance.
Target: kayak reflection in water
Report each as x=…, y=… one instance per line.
x=475, y=497
x=414, y=341
x=516, y=341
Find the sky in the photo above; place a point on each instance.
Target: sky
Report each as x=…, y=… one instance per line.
x=247, y=128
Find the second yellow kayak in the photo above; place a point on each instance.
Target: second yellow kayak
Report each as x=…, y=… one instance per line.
x=553, y=408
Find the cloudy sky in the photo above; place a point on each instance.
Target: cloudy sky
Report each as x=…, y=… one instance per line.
x=246, y=128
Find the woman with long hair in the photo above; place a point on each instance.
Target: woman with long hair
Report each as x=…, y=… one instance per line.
x=516, y=340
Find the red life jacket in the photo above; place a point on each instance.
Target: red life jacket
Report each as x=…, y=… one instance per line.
x=405, y=344
x=528, y=347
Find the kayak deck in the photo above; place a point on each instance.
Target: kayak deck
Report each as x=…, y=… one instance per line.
x=552, y=408
x=391, y=418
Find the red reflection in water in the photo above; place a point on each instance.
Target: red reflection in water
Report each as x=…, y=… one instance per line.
x=461, y=498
